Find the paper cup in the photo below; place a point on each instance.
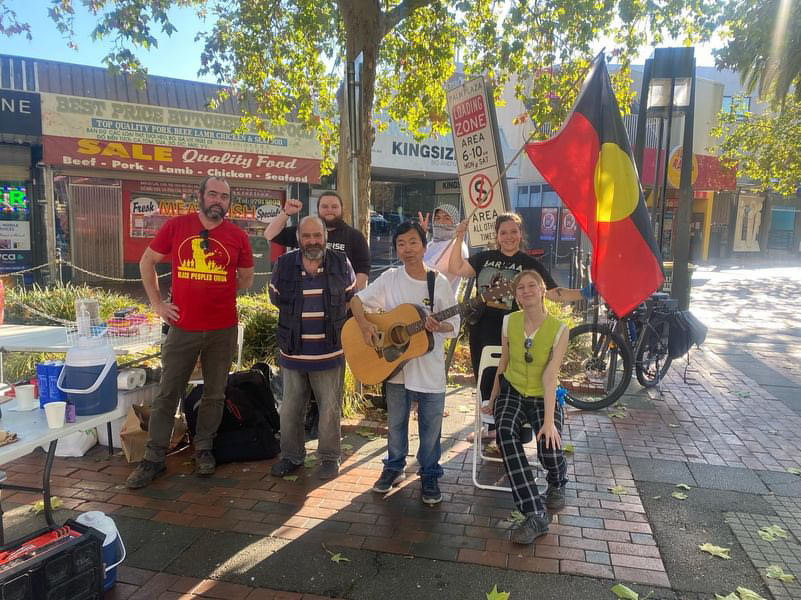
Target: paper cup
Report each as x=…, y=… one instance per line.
x=25, y=398
x=55, y=413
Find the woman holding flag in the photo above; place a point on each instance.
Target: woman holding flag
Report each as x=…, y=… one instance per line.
x=505, y=263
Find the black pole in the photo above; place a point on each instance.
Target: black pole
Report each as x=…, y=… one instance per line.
x=666, y=165
x=680, y=289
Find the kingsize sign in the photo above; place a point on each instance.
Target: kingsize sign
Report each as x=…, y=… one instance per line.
x=476, y=152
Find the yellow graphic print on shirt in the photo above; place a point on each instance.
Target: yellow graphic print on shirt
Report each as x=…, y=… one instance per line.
x=197, y=264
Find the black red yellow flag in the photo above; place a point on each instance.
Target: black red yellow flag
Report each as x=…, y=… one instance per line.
x=590, y=165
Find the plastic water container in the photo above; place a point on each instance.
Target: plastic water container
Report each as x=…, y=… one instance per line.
x=113, y=548
x=89, y=377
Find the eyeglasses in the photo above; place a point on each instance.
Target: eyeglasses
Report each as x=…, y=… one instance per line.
x=527, y=345
x=204, y=239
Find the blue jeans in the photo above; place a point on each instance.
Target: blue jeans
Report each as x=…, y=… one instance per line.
x=429, y=420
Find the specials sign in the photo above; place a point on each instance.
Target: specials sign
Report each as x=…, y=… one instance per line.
x=476, y=159
x=91, y=133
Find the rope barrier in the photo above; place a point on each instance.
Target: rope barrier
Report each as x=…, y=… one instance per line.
x=23, y=271
x=38, y=312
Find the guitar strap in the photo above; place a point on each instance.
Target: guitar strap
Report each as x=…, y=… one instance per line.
x=431, y=277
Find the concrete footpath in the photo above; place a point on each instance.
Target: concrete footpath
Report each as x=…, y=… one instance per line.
x=726, y=425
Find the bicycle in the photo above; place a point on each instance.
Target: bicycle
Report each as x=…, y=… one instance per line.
x=601, y=355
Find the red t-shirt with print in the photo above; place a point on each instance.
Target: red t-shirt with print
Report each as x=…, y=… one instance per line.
x=204, y=281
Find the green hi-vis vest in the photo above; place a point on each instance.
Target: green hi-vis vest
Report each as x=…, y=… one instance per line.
x=525, y=377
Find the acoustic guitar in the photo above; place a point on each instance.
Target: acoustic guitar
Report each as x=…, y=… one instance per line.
x=402, y=335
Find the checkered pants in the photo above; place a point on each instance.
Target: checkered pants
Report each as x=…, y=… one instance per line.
x=511, y=411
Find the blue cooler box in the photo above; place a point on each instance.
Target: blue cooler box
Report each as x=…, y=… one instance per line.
x=89, y=377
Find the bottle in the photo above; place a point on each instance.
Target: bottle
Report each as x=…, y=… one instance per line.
x=70, y=412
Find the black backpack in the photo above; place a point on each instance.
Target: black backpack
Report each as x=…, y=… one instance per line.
x=250, y=422
x=685, y=331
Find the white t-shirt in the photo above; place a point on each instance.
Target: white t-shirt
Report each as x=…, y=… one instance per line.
x=393, y=288
x=434, y=250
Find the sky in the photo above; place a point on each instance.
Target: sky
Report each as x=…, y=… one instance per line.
x=177, y=56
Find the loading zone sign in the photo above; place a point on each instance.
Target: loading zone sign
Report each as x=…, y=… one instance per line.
x=470, y=109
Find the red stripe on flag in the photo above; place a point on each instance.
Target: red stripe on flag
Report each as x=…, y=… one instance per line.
x=567, y=162
x=624, y=268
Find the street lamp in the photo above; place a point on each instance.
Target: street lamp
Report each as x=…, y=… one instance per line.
x=668, y=89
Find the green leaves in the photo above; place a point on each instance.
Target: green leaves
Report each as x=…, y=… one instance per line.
x=715, y=550
x=619, y=490
x=624, y=593
x=771, y=533
x=336, y=557
x=679, y=495
x=516, y=517
x=794, y=470
x=777, y=572
x=290, y=478
x=496, y=595
x=683, y=486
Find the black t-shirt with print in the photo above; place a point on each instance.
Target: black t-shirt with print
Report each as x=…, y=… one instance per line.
x=344, y=238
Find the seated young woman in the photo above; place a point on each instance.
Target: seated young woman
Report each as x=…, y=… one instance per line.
x=533, y=345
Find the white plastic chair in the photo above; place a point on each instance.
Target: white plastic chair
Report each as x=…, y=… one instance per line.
x=490, y=356
x=240, y=340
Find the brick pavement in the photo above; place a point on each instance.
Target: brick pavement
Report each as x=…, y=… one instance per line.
x=599, y=533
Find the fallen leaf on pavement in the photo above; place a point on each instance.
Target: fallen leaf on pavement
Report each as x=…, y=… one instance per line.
x=290, y=477
x=464, y=409
x=38, y=506
x=776, y=572
x=516, y=517
x=679, y=495
x=624, y=593
x=683, y=486
x=496, y=595
x=337, y=557
x=309, y=461
x=794, y=470
x=568, y=448
x=655, y=497
x=746, y=594
x=715, y=550
x=619, y=490
x=673, y=425
x=769, y=534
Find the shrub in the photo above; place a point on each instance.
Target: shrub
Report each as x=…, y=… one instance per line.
x=59, y=301
x=260, y=319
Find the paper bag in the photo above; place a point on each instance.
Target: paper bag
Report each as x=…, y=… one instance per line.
x=133, y=433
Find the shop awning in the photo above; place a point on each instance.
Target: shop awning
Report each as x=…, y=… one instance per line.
x=708, y=172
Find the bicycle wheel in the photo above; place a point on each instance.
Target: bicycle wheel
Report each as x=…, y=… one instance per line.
x=652, y=361
x=597, y=367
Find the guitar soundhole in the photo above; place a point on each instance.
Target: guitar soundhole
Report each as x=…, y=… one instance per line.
x=398, y=335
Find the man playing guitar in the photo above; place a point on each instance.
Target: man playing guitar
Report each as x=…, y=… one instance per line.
x=421, y=378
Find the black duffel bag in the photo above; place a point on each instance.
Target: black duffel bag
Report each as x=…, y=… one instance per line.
x=685, y=331
x=250, y=423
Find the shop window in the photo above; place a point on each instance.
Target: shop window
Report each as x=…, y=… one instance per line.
x=522, y=197
x=549, y=197
x=749, y=217
x=535, y=194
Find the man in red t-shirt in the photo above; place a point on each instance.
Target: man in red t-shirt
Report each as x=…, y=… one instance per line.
x=211, y=260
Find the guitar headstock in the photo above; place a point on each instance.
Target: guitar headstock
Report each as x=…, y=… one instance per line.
x=500, y=289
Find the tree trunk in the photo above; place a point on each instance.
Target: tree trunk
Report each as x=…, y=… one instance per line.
x=362, y=20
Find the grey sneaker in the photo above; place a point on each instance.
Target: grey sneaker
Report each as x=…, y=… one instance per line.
x=555, y=497
x=388, y=479
x=204, y=463
x=328, y=469
x=283, y=467
x=529, y=530
x=145, y=472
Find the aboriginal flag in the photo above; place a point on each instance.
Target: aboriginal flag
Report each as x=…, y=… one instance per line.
x=590, y=165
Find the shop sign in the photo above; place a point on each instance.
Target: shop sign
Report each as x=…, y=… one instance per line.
x=12, y=261
x=476, y=159
x=15, y=235
x=549, y=217
x=149, y=213
x=568, y=226
x=145, y=138
x=395, y=149
x=447, y=186
x=158, y=159
x=20, y=113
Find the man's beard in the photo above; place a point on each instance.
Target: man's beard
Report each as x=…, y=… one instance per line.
x=313, y=251
x=333, y=222
x=215, y=212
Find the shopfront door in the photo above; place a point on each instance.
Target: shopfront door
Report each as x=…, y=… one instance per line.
x=96, y=233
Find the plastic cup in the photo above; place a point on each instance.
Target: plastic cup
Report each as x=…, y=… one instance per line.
x=55, y=413
x=26, y=400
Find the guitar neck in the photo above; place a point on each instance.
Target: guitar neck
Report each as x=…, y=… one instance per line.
x=460, y=309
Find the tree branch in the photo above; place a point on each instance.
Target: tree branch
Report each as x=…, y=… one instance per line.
x=390, y=19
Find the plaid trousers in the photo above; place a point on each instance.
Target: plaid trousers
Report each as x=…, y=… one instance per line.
x=512, y=410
